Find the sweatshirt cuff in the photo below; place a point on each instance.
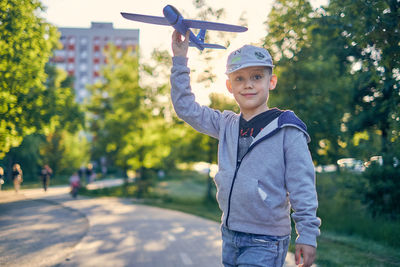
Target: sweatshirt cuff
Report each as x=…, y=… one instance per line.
x=307, y=240
x=179, y=61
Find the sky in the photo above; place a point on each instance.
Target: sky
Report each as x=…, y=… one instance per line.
x=78, y=13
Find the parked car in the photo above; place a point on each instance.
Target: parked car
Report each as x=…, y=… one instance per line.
x=351, y=164
x=325, y=168
x=379, y=161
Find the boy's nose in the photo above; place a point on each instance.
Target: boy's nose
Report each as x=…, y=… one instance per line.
x=248, y=83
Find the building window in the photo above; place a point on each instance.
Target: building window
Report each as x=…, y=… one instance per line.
x=62, y=66
x=71, y=40
x=83, y=67
x=83, y=54
x=84, y=79
x=96, y=40
x=83, y=40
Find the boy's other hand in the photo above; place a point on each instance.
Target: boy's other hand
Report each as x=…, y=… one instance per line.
x=179, y=46
x=308, y=253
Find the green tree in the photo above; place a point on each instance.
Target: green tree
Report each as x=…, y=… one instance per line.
x=65, y=119
x=311, y=80
x=26, y=42
x=118, y=111
x=369, y=31
x=58, y=142
x=27, y=155
x=371, y=41
x=127, y=121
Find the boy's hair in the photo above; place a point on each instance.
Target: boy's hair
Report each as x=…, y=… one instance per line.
x=269, y=70
x=248, y=56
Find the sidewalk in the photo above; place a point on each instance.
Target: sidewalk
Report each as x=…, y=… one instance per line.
x=37, y=232
x=106, y=231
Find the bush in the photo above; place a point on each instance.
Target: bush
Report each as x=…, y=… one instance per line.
x=381, y=192
x=342, y=210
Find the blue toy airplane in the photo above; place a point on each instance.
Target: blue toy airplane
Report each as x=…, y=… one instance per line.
x=173, y=18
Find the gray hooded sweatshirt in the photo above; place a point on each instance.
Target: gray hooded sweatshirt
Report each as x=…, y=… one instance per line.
x=255, y=193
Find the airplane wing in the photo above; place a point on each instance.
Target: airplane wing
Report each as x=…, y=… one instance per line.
x=205, y=45
x=201, y=24
x=146, y=19
x=217, y=46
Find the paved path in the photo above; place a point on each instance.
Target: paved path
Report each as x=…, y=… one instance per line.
x=52, y=229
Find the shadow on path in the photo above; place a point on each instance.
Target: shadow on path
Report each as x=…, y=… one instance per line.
x=52, y=229
x=38, y=232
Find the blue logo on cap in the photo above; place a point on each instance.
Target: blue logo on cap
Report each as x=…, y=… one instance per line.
x=259, y=55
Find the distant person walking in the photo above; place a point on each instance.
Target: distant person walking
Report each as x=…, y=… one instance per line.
x=75, y=183
x=1, y=177
x=81, y=172
x=17, y=177
x=89, y=173
x=45, y=175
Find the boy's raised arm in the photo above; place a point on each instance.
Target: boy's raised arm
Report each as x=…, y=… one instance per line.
x=202, y=118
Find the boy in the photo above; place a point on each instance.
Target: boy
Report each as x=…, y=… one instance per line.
x=263, y=159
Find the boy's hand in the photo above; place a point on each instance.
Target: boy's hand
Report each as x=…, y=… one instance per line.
x=179, y=46
x=308, y=253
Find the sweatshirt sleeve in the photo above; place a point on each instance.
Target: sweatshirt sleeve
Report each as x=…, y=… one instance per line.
x=300, y=183
x=202, y=118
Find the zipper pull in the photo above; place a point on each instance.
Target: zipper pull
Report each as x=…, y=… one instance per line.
x=238, y=164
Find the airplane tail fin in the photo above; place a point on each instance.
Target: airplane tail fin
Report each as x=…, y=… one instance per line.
x=201, y=35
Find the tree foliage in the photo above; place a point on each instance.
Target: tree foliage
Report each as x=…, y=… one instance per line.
x=338, y=68
x=311, y=80
x=118, y=111
x=58, y=143
x=129, y=122
x=370, y=34
x=26, y=42
x=371, y=42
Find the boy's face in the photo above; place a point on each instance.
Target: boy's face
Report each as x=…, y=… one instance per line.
x=250, y=87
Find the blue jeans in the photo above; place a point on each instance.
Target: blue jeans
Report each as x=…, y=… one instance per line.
x=250, y=250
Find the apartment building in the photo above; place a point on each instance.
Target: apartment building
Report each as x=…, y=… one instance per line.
x=82, y=51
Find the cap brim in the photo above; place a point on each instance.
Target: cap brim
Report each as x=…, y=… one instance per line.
x=250, y=65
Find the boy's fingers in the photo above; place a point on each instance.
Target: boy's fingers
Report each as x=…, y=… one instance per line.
x=297, y=256
x=176, y=36
x=308, y=260
x=187, y=36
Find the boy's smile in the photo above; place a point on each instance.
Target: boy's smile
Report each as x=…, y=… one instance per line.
x=250, y=87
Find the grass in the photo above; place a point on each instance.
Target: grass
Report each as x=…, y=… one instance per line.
x=339, y=250
x=349, y=236
x=342, y=211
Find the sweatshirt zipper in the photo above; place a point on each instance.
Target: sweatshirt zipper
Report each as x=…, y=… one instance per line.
x=230, y=192
x=239, y=161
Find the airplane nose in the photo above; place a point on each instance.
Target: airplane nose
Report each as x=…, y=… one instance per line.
x=171, y=14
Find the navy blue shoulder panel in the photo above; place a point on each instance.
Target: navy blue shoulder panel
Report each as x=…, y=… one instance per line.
x=288, y=117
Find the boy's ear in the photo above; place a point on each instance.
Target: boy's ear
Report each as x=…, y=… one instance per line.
x=229, y=86
x=273, y=81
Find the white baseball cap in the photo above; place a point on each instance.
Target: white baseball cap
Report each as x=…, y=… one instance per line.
x=248, y=56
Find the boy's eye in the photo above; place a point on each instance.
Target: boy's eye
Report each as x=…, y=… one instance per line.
x=257, y=77
x=239, y=78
